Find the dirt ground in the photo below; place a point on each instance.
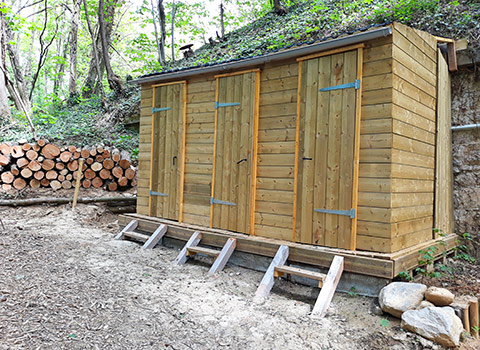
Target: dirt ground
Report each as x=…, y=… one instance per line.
x=66, y=284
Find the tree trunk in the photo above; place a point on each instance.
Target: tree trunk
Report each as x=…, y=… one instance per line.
x=4, y=108
x=72, y=82
x=157, y=39
x=222, y=22
x=163, y=31
x=114, y=81
x=173, y=30
x=95, y=51
x=277, y=6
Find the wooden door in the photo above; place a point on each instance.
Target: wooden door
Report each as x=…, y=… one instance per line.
x=234, y=166
x=327, y=155
x=167, y=153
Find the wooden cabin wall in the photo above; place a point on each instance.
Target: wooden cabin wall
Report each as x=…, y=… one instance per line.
x=413, y=152
x=144, y=149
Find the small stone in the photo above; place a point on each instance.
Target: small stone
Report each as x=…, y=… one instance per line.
x=398, y=297
x=439, y=296
x=424, y=304
x=439, y=324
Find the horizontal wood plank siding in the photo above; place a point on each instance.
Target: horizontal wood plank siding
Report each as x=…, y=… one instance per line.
x=144, y=148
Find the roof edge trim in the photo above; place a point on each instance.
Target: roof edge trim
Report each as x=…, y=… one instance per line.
x=277, y=56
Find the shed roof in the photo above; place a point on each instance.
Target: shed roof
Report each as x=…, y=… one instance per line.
x=296, y=50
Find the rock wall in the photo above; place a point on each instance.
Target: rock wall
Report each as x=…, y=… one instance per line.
x=466, y=154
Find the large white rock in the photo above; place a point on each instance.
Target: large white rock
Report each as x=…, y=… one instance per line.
x=439, y=324
x=398, y=297
x=439, y=296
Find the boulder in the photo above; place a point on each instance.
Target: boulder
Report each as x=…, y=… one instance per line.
x=398, y=297
x=424, y=304
x=439, y=296
x=439, y=324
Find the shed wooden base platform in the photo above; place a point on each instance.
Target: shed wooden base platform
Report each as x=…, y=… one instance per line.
x=358, y=262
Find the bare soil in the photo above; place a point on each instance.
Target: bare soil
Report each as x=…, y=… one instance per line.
x=66, y=284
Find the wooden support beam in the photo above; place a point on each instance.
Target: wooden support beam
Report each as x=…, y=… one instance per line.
x=192, y=242
x=473, y=315
x=132, y=225
x=329, y=287
x=155, y=237
x=266, y=284
x=223, y=257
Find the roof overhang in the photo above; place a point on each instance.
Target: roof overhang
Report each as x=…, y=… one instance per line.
x=272, y=57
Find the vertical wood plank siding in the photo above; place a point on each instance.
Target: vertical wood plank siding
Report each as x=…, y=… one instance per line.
x=397, y=145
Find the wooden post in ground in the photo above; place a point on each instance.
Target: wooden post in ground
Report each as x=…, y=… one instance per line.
x=266, y=284
x=329, y=287
x=473, y=315
x=77, y=184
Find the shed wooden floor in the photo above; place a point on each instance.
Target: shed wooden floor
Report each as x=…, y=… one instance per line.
x=381, y=265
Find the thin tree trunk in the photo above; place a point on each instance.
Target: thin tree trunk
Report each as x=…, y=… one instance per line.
x=72, y=80
x=163, y=31
x=58, y=82
x=4, y=107
x=222, y=22
x=173, y=30
x=95, y=52
x=114, y=81
x=159, y=49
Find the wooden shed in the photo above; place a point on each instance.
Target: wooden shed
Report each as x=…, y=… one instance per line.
x=342, y=143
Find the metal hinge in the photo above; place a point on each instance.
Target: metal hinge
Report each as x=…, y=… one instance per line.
x=218, y=105
x=350, y=212
x=154, y=110
x=355, y=84
x=217, y=201
x=152, y=193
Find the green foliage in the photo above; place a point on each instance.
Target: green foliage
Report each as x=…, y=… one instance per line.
x=405, y=276
x=462, y=248
x=384, y=322
x=352, y=292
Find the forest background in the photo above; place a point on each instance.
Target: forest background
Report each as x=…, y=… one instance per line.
x=65, y=65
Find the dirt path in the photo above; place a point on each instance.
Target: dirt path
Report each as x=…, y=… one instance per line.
x=66, y=284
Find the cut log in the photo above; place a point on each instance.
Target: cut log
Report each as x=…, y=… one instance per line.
x=133, y=183
x=89, y=161
x=123, y=181
x=7, y=177
x=5, y=149
x=61, y=178
x=45, y=183
x=124, y=163
x=64, y=172
x=22, y=141
x=106, y=154
x=66, y=184
x=89, y=174
x=108, y=164
x=19, y=184
x=6, y=187
x=34, y=183
x=49, y=200
x=14, y=170
x=130, y=173
x=26, y=146
x=100, y=149
x=72, y=165
x=116, y=156
x=69, y=177
x=39, y=175
x=93, y=152
x=36, y=147
x=86, y=183
x=22, y=162
x=97, y=182
x=34, y=165
x=48, y=164
x=26, y=173
x=96, y=166
x=56, y=185
x=117, y=172
x=76, y=155
x=59, y=166
x=112, y=186
x=17, y=151
x=65, y=156
x=4, y=159
x=41, y=142
x=51, y=175
x=31, y=154
x=99, y=158
x=72, y=149
x=50, y=151
x=104, y=174
x=84, y=153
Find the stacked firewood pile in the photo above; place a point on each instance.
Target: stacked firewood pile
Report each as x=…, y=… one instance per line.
x=43, y=164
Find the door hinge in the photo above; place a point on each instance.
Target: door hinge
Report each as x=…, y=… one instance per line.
x=154, y=110
x=217, y=201
x=350, y=212
x=355, y=84
x=153, y=193
x=218, y=104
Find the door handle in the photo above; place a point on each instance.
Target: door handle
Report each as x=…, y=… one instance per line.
x=242, y=160
x=173, y=160
x=307, y=158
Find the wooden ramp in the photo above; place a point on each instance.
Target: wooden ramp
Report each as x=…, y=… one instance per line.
x=327, y=282
x=149, y=241
x=191, y=248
